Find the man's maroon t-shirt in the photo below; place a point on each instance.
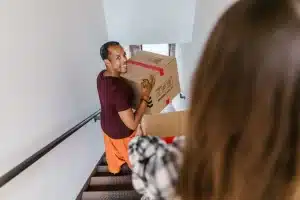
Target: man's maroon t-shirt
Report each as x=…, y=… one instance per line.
x=115, y=95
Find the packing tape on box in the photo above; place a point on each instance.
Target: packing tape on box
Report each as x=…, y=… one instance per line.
x=152, y=67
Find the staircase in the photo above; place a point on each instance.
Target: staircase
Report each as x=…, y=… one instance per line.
x=103, y=185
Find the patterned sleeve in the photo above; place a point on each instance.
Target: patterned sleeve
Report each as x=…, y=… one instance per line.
x=155, y=165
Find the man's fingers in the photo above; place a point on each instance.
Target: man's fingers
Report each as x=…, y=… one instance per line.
x=153, y=83
x=152, y=80
x=143, y=128
x=148, y=83
x=144, y=83
x=139, y=131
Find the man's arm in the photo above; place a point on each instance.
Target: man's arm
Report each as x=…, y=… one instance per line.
x=132, y=120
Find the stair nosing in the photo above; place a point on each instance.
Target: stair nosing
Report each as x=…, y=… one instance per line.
x=106, y=194
x=110, y=180
x=102, y=168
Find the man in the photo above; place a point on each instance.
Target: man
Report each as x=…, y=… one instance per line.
x=118, y=120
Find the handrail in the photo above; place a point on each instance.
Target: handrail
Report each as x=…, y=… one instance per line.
x=36, y=156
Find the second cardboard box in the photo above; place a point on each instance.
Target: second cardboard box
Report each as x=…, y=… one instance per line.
x=165, y=124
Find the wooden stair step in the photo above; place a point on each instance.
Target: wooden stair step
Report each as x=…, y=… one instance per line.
x=104, y=168
x=102, y=174
x=111, y=180
x=101, y=171
x=110, y=187
x=111, y=195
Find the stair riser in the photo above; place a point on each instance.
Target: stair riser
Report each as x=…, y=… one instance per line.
x=110, y=187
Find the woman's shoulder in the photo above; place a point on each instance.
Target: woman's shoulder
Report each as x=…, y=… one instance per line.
x=144, y=147
x=155, y=165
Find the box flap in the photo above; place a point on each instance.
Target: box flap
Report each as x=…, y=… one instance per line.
x=165, y=124
x=153, y=63
x=152, y=58
x=136, y=73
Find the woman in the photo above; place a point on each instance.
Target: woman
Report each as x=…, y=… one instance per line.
x=244, y=128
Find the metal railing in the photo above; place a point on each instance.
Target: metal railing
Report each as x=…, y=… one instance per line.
x=39, y=154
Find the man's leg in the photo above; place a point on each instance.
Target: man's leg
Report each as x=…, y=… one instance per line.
x=122, y=147
x=113, y=158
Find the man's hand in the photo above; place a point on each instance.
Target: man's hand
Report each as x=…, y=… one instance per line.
x=130, y=119
x=139, y=131
x=147, y=86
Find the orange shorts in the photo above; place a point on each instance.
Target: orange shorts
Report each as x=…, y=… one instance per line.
x=116, y=151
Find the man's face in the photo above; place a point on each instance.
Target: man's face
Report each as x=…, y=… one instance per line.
x=117, y=60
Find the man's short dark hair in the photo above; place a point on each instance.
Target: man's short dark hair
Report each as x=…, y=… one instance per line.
x=104, y=49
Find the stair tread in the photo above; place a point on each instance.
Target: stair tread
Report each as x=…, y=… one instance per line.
x=111, y=195
x=102, y=170
x=111, y=180
x=103, y=159
x=110, y=187
x=101, y=174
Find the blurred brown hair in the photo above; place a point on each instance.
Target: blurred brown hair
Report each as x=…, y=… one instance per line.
x=243, y=138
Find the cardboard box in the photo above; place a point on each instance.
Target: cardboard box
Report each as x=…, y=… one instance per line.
x=165, y=124
x=164, y=69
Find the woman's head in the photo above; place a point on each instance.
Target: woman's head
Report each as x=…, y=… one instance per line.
x=245, y=108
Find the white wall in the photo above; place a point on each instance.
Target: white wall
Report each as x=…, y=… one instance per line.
x=61, y=173
x=49, y=58
x=150, y=22
x=188, y=54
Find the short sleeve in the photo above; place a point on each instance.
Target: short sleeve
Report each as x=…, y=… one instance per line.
x=122, y=99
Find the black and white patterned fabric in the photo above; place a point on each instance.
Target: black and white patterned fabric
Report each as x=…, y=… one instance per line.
x=155, y=166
